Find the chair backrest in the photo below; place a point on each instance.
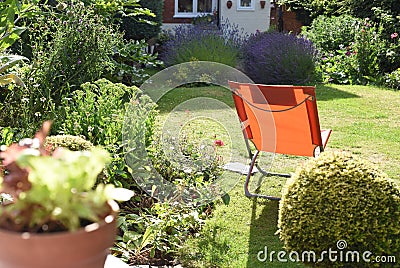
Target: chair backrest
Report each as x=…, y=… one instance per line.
x=280, y=119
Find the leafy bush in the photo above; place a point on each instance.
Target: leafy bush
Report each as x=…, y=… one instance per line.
x=368, y=46
x=350, y=49
x=128, y=61
x=331, y=33
x=203, y=42
x=392, y=80
x=97, y=112
x=340, y=197
x=307, y=10
x=383, y=13
x=153, y=235
x=110, y=9
x=183, y=161
x=339, y=66
x=143, y=26
x=278, y=58
x=69, y=47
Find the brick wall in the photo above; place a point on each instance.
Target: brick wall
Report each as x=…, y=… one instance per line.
x=290, y=22
x=169, y=12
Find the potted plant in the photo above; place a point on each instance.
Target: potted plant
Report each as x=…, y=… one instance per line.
x=53, y=214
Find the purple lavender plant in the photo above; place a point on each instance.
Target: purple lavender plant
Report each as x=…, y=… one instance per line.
x=204, y=42
x=278, y=58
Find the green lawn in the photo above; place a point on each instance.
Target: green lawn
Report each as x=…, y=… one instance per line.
x=365, y=121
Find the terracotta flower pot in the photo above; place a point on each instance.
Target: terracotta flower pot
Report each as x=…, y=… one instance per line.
x=86, y=248
x=229, y=4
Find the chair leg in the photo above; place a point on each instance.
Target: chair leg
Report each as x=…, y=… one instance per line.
x=246, y=184
x=265, y=173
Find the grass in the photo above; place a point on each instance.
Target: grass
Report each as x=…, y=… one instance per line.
x=365, y=121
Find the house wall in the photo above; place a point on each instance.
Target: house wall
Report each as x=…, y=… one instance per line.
x=249, y=20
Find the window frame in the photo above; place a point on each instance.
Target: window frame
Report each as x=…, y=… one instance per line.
x=249, y=8
x=194, y=13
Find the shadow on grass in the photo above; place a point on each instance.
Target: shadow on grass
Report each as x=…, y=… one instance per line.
x=325, y=93
x=263, y=238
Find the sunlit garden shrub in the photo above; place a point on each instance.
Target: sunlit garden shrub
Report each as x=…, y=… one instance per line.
x=339, y=197
x=153, y=235
x=278, y=58
x=203, y=42
x=351, y=50
x=97, y=112
x=70, y=46
x=392, y=80
x=332, y=33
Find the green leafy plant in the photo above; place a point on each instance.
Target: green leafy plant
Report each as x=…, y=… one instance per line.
x=129, y=63
x=110, y=9
x=69, y=47
x=151, y=235
x=392, y=80
x=12, y=11
x=53, y=192
x=329, y=33
x=97, y=112
x=338, y=196
x=183, y=161
x=6, y=62
x=143, y=26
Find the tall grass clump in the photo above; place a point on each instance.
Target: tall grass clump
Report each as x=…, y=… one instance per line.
x=278, y=58
x=203, y=42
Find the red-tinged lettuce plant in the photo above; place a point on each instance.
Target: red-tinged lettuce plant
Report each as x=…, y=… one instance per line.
x=53, y=192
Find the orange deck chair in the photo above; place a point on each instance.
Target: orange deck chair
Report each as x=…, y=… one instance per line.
x=278, y=119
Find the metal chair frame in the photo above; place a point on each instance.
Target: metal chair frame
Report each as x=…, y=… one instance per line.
x=253, y=156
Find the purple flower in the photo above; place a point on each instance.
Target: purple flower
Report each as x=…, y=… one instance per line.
x=79, y=61
x=278, y=58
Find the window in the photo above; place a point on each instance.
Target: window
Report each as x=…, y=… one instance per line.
x=245, y=4
x=193, y=8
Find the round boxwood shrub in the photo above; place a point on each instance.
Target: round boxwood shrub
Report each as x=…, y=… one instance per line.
x=278, y=58
x=342, y=203
x=73, y=143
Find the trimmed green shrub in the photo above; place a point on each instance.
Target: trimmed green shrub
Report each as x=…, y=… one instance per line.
x=73, y=143
x=278, y=58
x=340, y=197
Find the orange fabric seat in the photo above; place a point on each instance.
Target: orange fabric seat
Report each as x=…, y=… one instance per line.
x=279, y=119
